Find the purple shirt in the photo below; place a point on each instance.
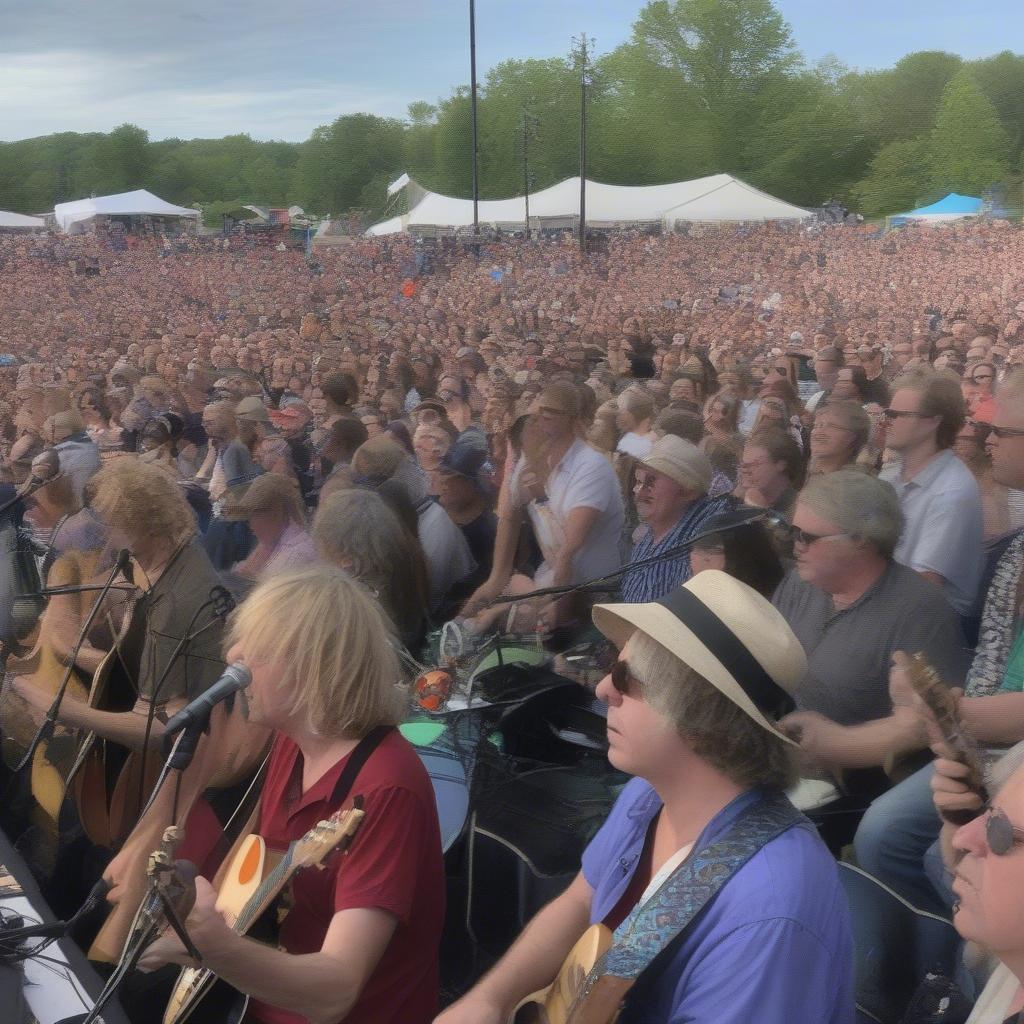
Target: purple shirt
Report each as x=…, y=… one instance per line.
x=773, y=947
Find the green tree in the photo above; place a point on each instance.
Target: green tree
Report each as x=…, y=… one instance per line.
x=813, y=147
x=1002, y=80
x=969, y=147
x=728, y=51
x=123, y=159
x=338, y=160
x=898, y=179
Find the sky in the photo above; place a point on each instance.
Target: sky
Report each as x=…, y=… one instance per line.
x=277, y=70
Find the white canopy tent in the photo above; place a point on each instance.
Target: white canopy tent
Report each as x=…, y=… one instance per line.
x=139, y=203
x=732, y=200
x=20, y=222
x=718, y=197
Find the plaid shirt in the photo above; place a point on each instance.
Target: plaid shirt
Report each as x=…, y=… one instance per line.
x=651, y=582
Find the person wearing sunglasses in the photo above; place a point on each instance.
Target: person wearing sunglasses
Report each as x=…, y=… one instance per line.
x=983, y=861
x=939, y=497
x=693, y=700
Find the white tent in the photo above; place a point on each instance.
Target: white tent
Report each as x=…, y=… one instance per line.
x=19, y=222
x=732, y=200
x=139, y=203
x=718, y=197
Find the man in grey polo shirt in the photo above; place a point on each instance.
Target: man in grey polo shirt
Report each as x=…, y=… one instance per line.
x=852, y=606
x=943, y=533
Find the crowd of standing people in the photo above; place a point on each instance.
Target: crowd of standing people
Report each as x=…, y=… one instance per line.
x=793, y=457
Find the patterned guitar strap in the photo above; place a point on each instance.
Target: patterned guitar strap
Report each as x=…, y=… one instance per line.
x=644, y=943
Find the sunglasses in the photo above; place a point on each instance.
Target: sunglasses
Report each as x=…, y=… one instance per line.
x=1000, y=833
x=895, y=414
x=783, y=371
x=621, y=677
x=807, y=539
x=981, y=377
x=1005, y=432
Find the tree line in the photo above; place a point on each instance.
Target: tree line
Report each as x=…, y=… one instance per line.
x=701, y=87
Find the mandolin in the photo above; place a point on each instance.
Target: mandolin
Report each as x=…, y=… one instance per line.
x=250, y=886
x=580, y=994
x=940, y=702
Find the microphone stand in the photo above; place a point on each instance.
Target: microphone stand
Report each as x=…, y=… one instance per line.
x=45, y=731
x=597, y=583
x=184, y=758
x=34, y=484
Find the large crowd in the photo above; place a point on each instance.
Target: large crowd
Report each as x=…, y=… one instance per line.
x=815, y=432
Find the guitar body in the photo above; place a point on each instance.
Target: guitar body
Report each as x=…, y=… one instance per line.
x=249, y=868
x=247, y=889
x=44, y=668
x=104, y=780
x=569, y=999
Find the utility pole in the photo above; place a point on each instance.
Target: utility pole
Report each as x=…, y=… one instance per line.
x=529, y=123
x=581, y=52
x=472, y=87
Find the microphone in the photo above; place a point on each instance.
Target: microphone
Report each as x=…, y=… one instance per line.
x=197, y=712
x=222, y=600
x=124, y=563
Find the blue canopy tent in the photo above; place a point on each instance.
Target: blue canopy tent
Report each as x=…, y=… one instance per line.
x=953, y=207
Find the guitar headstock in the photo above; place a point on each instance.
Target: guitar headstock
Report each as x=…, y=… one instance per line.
x=337, y=830
x=941, y=704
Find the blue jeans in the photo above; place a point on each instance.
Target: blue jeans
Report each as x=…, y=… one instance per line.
x=897, y=843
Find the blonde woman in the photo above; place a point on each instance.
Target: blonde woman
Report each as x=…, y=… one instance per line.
x=360, y=943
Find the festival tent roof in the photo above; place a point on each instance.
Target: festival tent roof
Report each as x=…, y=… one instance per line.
x=733, y=200
x=19, y=222
x=607, y=205
x=124, y=204
x=952, y=207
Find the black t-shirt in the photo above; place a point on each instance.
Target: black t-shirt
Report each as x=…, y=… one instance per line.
x=876, y=391
x=480, y=535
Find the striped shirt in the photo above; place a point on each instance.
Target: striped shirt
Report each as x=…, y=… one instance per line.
x=660, y=578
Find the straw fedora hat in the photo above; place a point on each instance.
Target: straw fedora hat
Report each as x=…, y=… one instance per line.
x=728, y=634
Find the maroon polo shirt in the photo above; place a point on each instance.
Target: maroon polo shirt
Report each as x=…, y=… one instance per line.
x=394, y=864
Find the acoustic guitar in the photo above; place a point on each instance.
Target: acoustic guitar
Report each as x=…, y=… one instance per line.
x=580, y=994
x=44, y=666
x=249, y=887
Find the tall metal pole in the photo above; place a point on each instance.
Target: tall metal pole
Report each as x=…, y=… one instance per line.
x=526, y=170
x=583, y=161
x=472, y=87
x=583, y=143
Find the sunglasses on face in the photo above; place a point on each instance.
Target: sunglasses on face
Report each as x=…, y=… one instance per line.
x=1000, y=833
x=621, y=677
x=981, y=376
x=895, y=414
x=1002, y=432
x=807, y=539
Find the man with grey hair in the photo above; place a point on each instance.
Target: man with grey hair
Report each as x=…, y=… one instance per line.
x=852, y=606
x=670, y=491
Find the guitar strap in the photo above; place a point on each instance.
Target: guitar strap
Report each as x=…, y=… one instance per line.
x=354, y=765
x=646, y=940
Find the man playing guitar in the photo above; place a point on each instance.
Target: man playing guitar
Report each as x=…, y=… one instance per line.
x=360, y=942
x=701, y=677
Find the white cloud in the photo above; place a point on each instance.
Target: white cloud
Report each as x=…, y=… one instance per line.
x=68, y=91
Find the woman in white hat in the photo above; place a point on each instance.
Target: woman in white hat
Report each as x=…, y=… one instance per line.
x=701, y=678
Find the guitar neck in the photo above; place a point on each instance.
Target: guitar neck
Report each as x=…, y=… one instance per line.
x=267, y=891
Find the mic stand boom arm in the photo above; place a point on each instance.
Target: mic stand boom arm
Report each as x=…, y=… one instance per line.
x=598, y=583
